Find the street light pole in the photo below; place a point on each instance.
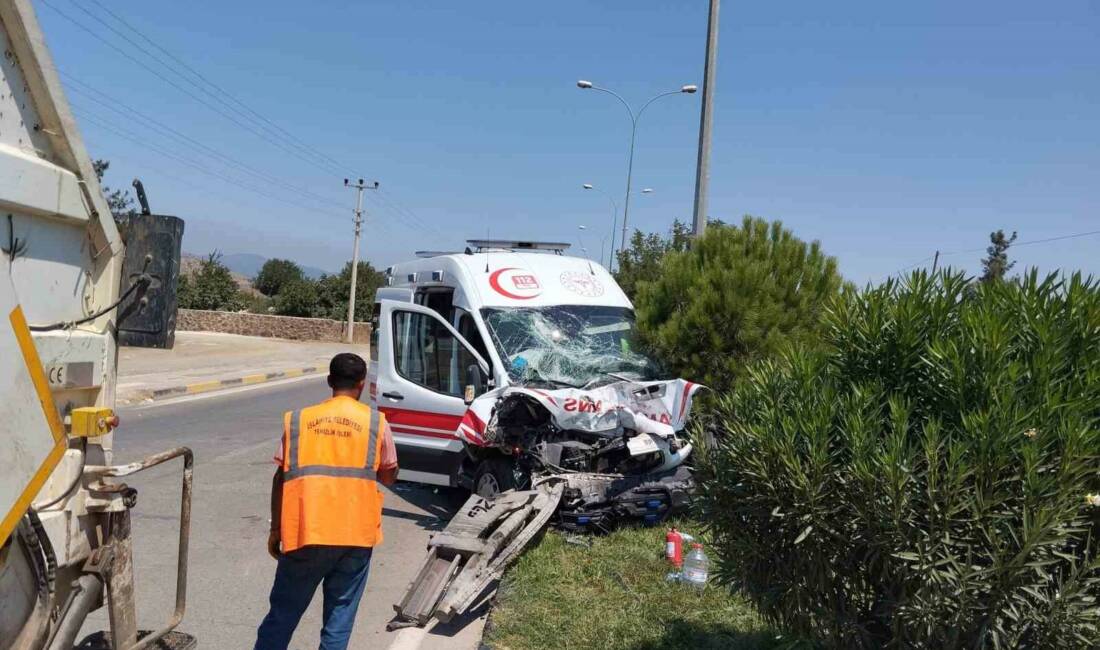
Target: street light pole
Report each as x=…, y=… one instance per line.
x=614, y=223
x=634, y=117
x=702, y=166
x=360, y=186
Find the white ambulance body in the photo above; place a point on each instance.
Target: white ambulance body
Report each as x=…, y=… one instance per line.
x=451, y=326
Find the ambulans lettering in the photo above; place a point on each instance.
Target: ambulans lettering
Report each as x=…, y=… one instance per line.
x=583, y=405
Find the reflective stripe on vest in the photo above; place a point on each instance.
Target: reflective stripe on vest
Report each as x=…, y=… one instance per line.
x=367, y=471
x=331, y=495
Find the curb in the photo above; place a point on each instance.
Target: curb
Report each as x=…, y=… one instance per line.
x=221, y=384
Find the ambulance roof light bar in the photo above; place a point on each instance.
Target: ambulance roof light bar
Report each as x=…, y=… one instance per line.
x=429, y=254
x=482, y=245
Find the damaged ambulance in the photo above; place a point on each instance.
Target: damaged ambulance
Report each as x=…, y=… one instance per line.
x=510, y=362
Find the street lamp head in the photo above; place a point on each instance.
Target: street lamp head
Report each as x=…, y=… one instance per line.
x=648, y=190
x=584, y=84
x=689, y=89
x=587, y=186
x=582, y=227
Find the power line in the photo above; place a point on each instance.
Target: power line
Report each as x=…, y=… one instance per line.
x=197, y=166
x=405, y=215
x=261, y=134
x=165, y=130
x=218, y=88
x=1013, y=245
x=103, y=99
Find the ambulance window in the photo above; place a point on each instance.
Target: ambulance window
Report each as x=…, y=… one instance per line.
x=427, y=354
x=438, y=300
x=468, y=329
x=374, y=331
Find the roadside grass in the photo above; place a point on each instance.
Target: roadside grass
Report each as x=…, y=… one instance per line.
x=613, y=596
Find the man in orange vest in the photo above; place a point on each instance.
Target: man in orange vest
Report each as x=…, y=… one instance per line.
x=326, y=507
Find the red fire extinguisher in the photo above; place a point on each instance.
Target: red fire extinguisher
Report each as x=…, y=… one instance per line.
x=674, y=547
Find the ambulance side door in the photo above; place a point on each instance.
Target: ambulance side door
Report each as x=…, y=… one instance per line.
x=423, y=371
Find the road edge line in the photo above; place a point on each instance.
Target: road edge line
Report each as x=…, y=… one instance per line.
x=212, y=385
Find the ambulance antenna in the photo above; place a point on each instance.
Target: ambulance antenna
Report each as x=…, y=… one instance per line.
x=487, y=249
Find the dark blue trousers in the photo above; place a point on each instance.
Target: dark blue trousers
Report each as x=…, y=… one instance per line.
x=342, y=570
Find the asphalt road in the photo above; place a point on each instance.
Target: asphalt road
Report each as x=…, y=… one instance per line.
x=234, y=436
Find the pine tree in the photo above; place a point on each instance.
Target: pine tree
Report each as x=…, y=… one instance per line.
x=738, y=294
x=996, y=264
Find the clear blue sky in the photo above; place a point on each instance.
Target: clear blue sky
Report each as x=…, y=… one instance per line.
x=884, y=130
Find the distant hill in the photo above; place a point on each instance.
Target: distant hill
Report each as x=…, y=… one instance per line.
x=249, y=264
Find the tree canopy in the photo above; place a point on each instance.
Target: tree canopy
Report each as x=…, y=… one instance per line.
x=297, y=298
x=996, y=265
x=333, y=292
x=119, y=201
x=641, y=262
x=737, y=294
x=211, y=287
x=275, y=274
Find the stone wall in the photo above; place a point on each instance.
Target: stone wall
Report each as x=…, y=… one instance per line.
x=282, y=327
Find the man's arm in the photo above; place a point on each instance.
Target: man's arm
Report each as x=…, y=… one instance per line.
x=387, y=467
x=387, y=475
x=276, y=499
x=274, y=536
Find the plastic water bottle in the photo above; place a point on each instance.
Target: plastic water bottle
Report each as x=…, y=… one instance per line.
x=696, y=567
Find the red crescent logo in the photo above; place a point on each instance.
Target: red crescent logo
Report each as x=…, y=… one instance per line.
x=494, y=282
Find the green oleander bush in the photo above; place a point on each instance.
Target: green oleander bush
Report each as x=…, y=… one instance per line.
x=926, y=476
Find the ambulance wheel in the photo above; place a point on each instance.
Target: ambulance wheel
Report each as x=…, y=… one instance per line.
x=496, y=475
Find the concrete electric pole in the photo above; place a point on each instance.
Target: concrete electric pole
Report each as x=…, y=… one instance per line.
x=360, y=186
x=702, y=168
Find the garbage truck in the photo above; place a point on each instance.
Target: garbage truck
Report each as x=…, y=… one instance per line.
x=74, y=283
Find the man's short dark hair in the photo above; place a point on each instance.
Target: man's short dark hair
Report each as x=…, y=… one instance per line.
x=346, y=370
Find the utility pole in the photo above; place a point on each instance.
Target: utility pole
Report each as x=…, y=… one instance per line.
x=360, y=186
x=702, y=167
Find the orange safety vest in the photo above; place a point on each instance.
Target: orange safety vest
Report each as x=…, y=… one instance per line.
x=330, y=495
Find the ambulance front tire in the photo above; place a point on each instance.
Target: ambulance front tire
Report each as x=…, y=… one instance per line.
x=496, y=475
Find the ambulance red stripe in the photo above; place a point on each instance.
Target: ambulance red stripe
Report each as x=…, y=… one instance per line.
x=442, y=421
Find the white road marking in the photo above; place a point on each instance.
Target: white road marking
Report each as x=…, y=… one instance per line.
x=408, y=638
x=145, y=406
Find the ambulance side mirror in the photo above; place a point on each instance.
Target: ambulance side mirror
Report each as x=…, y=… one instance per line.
x=475, y=383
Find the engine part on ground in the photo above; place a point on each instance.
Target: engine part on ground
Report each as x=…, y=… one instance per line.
x=598, y=503
x=473, y=551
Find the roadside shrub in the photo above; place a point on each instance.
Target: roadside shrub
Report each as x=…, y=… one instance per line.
x=738, y=294
x=255, y=303
x=211, y=286
x=276, y=274
x=927, y=479
x=297, y=298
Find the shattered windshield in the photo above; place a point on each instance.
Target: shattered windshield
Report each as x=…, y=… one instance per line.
x=569, y=345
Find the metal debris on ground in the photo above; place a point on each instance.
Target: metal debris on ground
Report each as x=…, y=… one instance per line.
x=473, y=551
